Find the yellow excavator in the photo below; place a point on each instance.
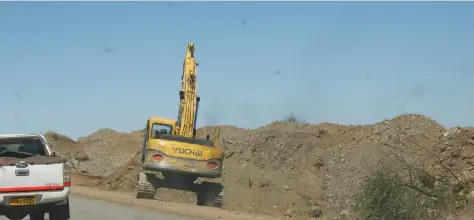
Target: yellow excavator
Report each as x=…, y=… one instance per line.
x=172, y=157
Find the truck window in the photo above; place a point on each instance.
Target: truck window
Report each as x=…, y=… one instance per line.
x=157, y=129
x=28, y=146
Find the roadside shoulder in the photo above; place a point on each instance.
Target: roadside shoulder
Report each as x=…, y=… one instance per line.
x=177, y=208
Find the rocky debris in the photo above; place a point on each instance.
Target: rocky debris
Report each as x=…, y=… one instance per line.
x=67, y=148
x=315, y=212
x=298, y=170
x=109, y=150
x=100, y=154
x=456, y=153
x=123, y=178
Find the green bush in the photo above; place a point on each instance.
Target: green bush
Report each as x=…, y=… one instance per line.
x=406, y=194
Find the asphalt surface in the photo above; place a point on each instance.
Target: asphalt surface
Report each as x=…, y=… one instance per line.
x=83, y=208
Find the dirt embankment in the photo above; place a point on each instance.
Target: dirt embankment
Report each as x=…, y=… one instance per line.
x=287, y=168
x=101, y=153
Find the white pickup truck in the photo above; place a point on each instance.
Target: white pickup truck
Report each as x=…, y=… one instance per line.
x=33, y=180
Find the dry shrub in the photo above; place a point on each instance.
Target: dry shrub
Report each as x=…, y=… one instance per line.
x=292, y=118
x=401, y=191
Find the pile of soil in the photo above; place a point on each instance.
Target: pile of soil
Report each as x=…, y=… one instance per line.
x=456, y=152
x=67, y=148
x=101, y=153
x=295, y=169
x=109, y=150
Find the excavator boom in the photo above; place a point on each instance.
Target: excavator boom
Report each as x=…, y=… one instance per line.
x=189, y=101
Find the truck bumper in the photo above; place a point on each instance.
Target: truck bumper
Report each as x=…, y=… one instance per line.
x=42, y=197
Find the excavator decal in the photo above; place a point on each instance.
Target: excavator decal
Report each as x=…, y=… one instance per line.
x=181, y=150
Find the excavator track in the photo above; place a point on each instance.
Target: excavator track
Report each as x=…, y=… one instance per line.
x=145, y=188
x=210, y=194
x=219, y=200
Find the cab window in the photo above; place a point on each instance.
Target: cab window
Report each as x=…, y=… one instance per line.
x=160, y=129
x=22, y=146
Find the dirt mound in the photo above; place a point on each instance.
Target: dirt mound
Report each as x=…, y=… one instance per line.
x=109, y=150
x=456, y=153
x=297, y=169
x=67, y=148
x=101, y=153
x=123, y=178
x=293, y=168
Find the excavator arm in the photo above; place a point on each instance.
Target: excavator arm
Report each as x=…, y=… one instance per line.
x=189, y=100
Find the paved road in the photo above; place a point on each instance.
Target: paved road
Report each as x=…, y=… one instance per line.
x=89, y=209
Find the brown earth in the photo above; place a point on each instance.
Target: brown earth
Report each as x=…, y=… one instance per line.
x=289, y=168
x=99, y=154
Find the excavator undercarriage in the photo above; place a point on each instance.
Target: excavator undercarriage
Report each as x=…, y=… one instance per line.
x=207, y=193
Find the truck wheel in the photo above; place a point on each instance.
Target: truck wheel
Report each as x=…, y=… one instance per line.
x=60, y=212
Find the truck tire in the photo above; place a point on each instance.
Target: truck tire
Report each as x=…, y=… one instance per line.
x=60, y=212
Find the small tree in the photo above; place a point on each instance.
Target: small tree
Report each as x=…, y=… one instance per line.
x=292, y=118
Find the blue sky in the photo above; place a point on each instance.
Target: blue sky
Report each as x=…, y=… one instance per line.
x=77, y=67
